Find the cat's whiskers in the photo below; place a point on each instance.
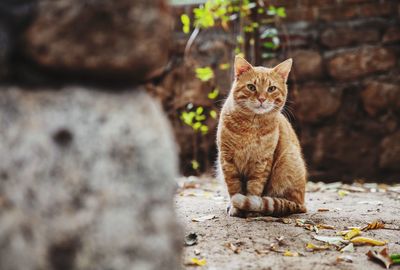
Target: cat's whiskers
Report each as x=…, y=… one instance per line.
x=287, y=111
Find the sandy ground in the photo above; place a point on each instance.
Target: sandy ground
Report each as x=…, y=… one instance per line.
x=217, y=238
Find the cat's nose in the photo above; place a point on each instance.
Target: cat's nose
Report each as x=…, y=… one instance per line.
x=261, y=99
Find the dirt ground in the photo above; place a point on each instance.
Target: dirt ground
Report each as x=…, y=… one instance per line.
x=225, y=242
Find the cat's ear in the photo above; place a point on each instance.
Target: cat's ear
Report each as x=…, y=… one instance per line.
x=283, y=68
x=241, y=66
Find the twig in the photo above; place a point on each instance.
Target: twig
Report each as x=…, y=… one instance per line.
x=192, y=37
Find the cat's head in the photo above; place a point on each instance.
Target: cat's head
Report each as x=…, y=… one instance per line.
x=258, y=89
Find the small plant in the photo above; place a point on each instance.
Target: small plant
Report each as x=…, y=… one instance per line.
x=204, y=74
x=226, y=14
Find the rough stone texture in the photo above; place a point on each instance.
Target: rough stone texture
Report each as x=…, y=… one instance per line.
x=390, y=152
x=4, y=50
x=336, y=148
x=307, y=65
x=354, y=64
x=345, y=36
x=314, y=102
x=86, y=181
x=392, y=35
x=379, y=97
x=108, y=38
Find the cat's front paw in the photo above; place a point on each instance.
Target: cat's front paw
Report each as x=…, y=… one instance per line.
x=235, y=212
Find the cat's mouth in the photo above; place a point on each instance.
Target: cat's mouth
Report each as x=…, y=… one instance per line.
x=262, y=108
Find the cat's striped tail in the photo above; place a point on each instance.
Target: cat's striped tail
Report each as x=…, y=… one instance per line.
x=267, y=205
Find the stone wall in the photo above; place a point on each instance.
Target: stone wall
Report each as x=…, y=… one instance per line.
x=87, y=158
x=344, y=86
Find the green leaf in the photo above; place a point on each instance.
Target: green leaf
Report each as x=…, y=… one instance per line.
x=204, y=74
x=203, y=16
x=204, y=129
x=260, y=10
x=271, y=10
x=200, y=117
x=187, y=118
x=199, y=110
x=195, y=164
x=248, y=29
x=213, y=114
x=213, y=94
x=186, y=23
x=281, y=12
x=269, y=45
x=196, y=126
x=224, y=66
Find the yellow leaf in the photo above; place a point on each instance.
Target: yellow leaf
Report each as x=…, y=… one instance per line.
x=352, y=233
x=288, y=253
x=312, y=247
x=367, y=241
x=198, y=262
x=342, y=193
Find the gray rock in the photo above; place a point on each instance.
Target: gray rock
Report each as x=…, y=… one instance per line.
x=86, y=181
x=114, y=39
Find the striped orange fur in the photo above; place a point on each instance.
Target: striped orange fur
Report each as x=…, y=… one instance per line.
x=259, y=155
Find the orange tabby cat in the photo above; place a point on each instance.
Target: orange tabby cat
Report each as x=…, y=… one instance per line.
x=259, y=155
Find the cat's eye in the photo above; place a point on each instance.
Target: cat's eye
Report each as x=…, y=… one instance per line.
x=271, y=89
x=251, y=87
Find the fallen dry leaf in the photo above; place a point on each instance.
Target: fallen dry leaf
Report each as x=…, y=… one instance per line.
x=196, y=262
x=271, y=219
x=203, y=218
x=374, y=225
x=382, y=256
x=300, y=222
x=330, y=240
x=367, y=241
x=352, y=233
x=307, y=224
x=371, y=202
x=323, y=209
x=342, y=193
x=325, y=226
x=289, y=253
x=348, y=248
x=233, y=247
x=312, y=247
x=344, y=258
x=262, y=251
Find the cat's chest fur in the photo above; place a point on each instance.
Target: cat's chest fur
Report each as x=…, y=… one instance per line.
x=251, y=144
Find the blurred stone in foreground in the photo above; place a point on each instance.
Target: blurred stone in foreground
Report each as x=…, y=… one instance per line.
x=86, y=181
x=109, y=38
